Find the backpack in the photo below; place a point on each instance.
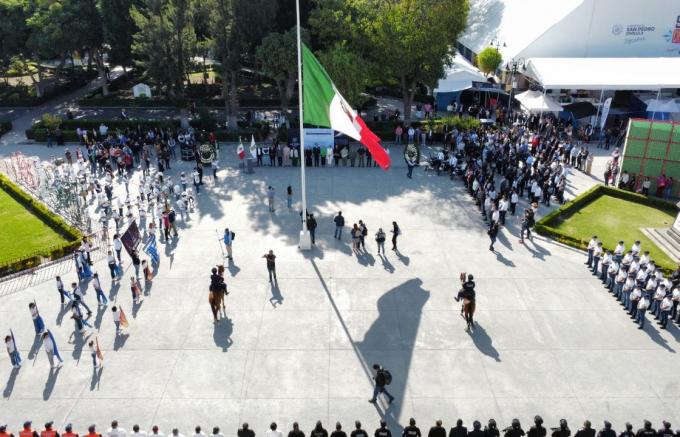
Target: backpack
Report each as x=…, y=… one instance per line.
x=233, y=235
x=384, y=377
x=171, y=216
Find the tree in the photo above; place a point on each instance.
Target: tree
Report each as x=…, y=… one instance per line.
x=277, y=58
x=118, y=28
x=13, y=33
x=165, y=41
x=411, y=40
x=350, y=73
x=237, y=27
x=489, y=59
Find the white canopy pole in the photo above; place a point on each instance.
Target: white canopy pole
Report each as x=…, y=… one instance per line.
x=658, y=93
x=305, y=240
x=599, y=105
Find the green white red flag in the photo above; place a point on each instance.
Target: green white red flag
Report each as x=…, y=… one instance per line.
x=324, y=106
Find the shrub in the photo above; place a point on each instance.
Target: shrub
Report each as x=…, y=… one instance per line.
x=51, y=121
x=5, y=126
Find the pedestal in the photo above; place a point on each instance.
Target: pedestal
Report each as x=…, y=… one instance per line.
x=305, y=241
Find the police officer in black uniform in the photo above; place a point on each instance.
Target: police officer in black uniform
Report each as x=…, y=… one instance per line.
x=411, y=430
x=459, y=430
x=491, y=429
x=358, y=431
x=476, y=430
x=437, y=430
x=538, y=430
x=382, y=431
x=666, y=431
x=646, y=430
x=514, y=430
x=561, y=431
x=586, y=431
x=607, y=431
x=628, y=432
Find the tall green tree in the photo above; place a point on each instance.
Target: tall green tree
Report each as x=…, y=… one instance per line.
x=164, y=43
x=237, y=28
x=351, y=73
x=118, y=28
x=411, y=40
x=13, y=33
x=277, y=59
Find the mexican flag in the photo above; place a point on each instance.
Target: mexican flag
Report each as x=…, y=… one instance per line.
x=324, y=106
x=240, y=151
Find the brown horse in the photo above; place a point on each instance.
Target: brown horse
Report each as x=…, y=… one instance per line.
x=216, y=298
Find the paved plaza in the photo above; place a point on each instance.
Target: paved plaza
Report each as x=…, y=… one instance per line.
x=550, y=340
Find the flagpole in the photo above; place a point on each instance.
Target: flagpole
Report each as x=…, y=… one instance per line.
x=305, y=240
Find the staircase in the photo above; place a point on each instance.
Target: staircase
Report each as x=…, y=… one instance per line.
x=667, y=239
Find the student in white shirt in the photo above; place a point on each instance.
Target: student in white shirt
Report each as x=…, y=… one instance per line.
x=591, y=249
x=198, y=432
x=116, y=431
x=136, y=432
x=156, y=432
x=216, y=432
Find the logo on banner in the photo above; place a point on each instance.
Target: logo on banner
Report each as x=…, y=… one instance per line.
x=617, y=29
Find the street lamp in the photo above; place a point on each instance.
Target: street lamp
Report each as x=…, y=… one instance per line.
x=495, y=42
x=511, y=68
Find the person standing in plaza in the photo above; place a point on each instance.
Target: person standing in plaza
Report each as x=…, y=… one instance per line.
x=51, y=349
x=358, y=431
x=538, y=430
x=270, y=198
x=118, y=247
x=591, y=251
x=273, y=431
x=196, y=177
x=49, y=431
x=338, y=431
x=137, y=433
x=38, y=322
x=12, y=350
x=94, y=353
x=245, y=431
x=411, y=430
x=116, y=431
x=136, y=262
x=228, y=240
x=215, y=432
x=289, y=197
x=665, y=310
x=493, y=233
x=339, y=221
x=68, y=431
x=271, y=266
x=198, y=432
x=642, y=306
x=364, y=234
x=607, y=431
x=396, y=232
x=319, y=430
x=62, y=293
x=296, y=432
x=79, y=297
x=96, y=284
x=311, y=227
x=380, y=240
x=383, y=431
x=382, y=377
x=459, y=430
x=437, y=430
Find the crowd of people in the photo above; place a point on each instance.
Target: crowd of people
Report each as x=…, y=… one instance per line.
x=491, y=429
x=636, y=282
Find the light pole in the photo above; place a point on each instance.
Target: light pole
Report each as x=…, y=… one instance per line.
x=511, y=68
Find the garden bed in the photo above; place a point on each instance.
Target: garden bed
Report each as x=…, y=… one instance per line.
x=612, y=215
x=31, y=232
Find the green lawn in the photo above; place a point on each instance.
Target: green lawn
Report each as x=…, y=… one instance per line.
x=613, y=219
x=22, y=233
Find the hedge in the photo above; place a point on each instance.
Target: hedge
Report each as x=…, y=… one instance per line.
x=55, y=222
x=68, y=127
x=117, y=102
x=544, y=225
x=5, y=126
x=74, y=84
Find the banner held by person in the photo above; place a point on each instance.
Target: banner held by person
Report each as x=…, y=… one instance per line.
x=324, y=106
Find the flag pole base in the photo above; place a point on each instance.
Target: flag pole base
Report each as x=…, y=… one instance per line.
x=305, y=241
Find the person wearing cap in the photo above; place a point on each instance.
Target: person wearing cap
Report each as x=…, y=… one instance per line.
x=607, y=431
x=597, y=255
x=27, y=431
x=38, y=322
x=666, y=431
x=135, y=428
x=68, y=431
x=436, y=431
x=48, y=431
x=338, y=431
x=198, y=432
x=538, y=430
x=586, y=431
x=646, y=430
x=591, y=251
x=604, y=265
x=476, y=429
x=611, y=275
x=4, y=433
x=411, y=430
x=675, y=314
x=116, y=431
x=628, y=432
x=642, y=306
x=665, y=308
x=92, y=431
x=619, y=280
x=562, y=430
x=635, y=248
x=383, y=431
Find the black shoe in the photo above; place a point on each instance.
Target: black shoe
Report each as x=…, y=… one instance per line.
x=372, y=401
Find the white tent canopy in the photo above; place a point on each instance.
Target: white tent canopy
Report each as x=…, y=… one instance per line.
x=536, y=101
x=605, y=73
x=459, y=76
x=671, y=105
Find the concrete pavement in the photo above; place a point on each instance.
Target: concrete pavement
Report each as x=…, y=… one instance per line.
x=550, y=340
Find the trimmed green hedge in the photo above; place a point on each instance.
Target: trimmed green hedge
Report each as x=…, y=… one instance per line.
x=52, y=220
x=37, y=132
x=544, y=225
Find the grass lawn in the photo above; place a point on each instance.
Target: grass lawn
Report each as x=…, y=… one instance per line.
x=613, y=219
x=22, y=232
